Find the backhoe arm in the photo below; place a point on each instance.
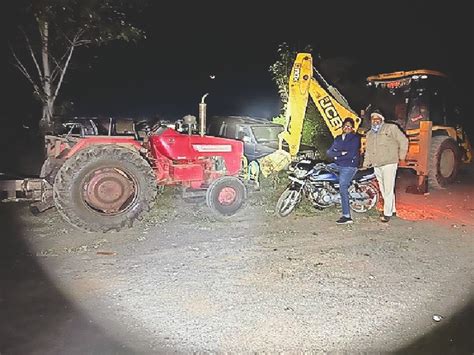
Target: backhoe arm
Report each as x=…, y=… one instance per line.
x=304, y=81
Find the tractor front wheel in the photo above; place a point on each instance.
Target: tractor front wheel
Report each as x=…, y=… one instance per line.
x=226, y=195
x=104, y=187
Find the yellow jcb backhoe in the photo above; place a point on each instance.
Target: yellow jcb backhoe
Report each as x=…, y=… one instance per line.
x=424, y=104
x=418, y=101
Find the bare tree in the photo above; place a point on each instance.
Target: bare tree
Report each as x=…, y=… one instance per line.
x=55, y=30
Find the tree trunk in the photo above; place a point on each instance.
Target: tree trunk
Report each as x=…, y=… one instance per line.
x=46, y=123
x=48, y=100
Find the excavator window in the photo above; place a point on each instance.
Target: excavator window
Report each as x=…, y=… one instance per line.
x=437, y=109
x=411, y=100
x=393, y=102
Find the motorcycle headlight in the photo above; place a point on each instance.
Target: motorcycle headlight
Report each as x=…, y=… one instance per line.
x=300, y=173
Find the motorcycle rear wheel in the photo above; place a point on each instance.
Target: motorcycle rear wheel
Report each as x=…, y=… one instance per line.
x=371, y=197
x=287, y=202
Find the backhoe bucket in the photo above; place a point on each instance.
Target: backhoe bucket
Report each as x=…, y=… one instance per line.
x=274, y=162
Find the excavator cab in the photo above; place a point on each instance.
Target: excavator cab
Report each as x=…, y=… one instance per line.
x=407, y=98
x=423, y=103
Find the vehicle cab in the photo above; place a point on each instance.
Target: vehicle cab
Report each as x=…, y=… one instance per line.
x=259, y=135
x=413, y=96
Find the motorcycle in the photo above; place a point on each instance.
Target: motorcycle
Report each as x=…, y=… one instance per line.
x=319, y=182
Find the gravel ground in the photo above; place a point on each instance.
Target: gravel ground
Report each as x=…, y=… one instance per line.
x=186, y=281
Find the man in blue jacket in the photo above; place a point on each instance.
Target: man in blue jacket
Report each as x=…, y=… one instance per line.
x=345, y=151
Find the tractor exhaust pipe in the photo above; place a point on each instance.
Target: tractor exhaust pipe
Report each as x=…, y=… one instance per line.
x=202, y=116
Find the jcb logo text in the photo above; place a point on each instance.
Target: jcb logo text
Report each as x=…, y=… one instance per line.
x=330, y=111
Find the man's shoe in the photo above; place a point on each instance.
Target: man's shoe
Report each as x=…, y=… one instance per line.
x=344, y=220
x=384, y=219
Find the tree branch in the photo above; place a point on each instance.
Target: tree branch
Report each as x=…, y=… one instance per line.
x=77, y=39
x=75, y=42
x=63, y=72
x=58, y=66
x=24, y=71
x=33, y=57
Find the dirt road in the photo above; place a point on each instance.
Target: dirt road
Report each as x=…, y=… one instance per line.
x=185, y=281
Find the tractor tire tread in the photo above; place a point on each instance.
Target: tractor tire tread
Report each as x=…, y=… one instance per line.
x=69, y=171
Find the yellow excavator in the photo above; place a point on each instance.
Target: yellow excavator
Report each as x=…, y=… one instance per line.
x=415, y=100
x=423, y=104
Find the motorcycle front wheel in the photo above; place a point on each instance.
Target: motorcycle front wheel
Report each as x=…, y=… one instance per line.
x=363, y=197
x=287, y=202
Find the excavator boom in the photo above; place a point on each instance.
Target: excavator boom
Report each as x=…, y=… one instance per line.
x=305, y=81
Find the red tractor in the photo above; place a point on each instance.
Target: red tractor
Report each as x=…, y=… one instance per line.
x=102, y=183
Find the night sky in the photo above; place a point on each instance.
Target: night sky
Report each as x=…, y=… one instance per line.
x=167, y=73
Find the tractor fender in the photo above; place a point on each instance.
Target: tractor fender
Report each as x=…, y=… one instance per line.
x=125, y=142
x=52, y=164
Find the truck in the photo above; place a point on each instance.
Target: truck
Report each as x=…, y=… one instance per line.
x=103, y=183
x=419, y=101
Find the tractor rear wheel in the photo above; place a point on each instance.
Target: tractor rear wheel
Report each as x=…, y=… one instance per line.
x=226, y=195
x=49, y=169
x=104, y=187
x=444, y=162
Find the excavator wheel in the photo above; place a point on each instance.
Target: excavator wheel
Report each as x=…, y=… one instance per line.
x=104, y=187
x=226, y=195
x=444, y=162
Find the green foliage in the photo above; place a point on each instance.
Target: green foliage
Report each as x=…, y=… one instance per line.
x=99, y=21
x=280, y=119
x=315, y=132
x=281, y=69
